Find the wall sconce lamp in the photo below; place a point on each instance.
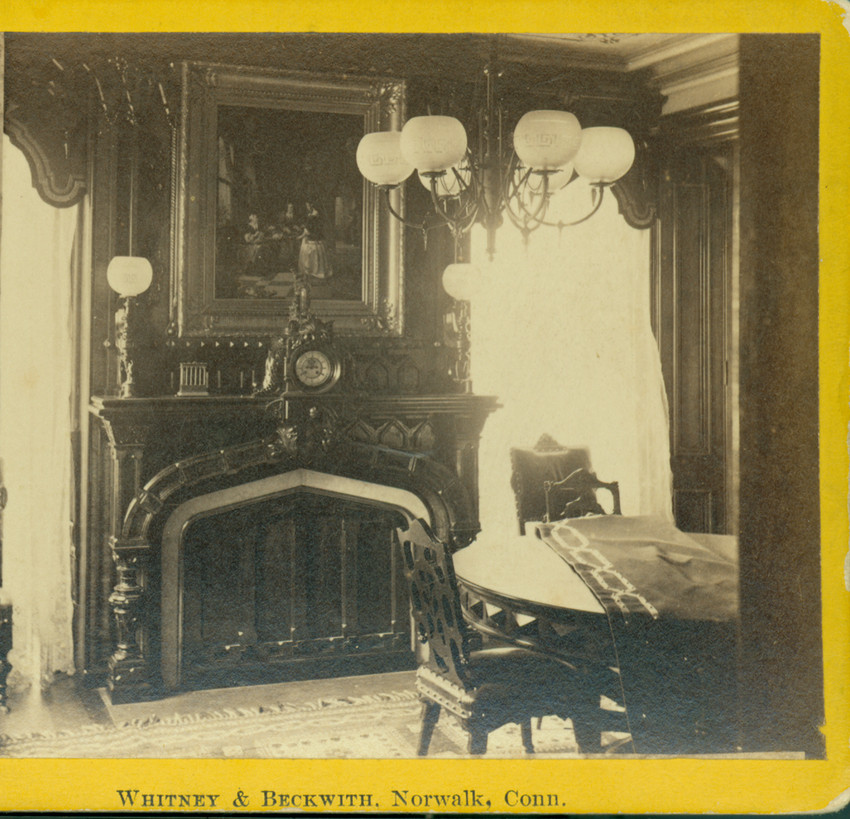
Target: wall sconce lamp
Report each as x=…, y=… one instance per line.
x=128, y=276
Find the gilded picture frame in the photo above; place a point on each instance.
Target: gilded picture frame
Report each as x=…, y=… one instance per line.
x=267, y=190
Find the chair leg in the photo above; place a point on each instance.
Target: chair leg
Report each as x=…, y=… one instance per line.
x=588, y=718
x=588, y=735
x=430, y=715
x=525, y=730
x=477, y=741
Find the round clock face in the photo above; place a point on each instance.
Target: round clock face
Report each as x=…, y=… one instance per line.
x=314, y=368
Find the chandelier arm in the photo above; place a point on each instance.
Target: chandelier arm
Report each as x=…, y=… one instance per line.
x=526, y=223
x=460, y=224
x=469, y=221
x=475, y=190
x=539, y=213
x=517, y=177
x=595, y=207
x=523, y=218
x=522, y=222
x=463, y=186
x=457, y=223
x=601, y=189
x=406, y=222
x=467, y=207
x=511, y=184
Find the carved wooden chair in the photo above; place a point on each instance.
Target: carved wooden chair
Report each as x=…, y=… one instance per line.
x=483, y=689
x=547, y=460
x=551, y=482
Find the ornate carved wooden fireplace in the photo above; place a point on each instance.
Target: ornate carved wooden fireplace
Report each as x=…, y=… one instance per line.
x=269, y=557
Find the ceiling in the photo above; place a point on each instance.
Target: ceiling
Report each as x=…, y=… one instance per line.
x=623, y=52
x=610, y=50
x=689, y=69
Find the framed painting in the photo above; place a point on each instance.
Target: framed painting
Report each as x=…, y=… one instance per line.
x=268, y=193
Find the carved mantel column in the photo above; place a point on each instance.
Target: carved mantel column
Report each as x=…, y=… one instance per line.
x=128, y=673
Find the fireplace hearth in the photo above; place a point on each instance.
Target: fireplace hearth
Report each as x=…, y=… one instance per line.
x=297, y=574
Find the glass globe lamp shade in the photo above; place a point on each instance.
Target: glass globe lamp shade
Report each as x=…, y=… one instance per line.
x=380, y=160
x=448, y=184
x=547, y=139
x=433, y=143
x=129, y=275
x=461, y=280
x=605, y=155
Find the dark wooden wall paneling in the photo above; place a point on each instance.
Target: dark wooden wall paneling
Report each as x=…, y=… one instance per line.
x=781, y=654
x=771, y=177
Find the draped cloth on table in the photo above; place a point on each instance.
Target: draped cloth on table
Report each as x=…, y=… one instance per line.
x=672, y=609
x=645, y=565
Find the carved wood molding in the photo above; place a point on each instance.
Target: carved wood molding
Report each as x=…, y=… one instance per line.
x=439, y=488
x=138, y=549
x=636, y=202
x=58, y=174
x=708, y=124
x=424, y=445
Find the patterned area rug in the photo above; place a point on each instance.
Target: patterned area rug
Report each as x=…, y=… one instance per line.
x=376, y=725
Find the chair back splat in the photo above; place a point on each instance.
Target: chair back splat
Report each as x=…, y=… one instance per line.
x=436, y=604
x=531, y=468
x=484, y=688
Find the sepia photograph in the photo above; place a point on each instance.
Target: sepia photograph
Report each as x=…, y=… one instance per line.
x=413, y=396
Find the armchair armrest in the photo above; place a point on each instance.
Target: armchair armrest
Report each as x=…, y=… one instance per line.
x=580, y=487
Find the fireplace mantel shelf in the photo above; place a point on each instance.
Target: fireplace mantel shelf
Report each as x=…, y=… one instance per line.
x=129, y=421
x=445, y=404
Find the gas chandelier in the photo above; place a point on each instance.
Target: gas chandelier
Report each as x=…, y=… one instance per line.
x=550, y=151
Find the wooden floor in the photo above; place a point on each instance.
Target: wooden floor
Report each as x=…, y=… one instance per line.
x=68, y=706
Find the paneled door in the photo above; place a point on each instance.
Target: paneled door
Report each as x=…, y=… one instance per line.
x=693, y=303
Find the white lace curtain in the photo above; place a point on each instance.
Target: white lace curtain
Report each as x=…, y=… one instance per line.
x=562, y=334
x=35, y=422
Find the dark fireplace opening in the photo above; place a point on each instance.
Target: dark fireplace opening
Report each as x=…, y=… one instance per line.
x=298, y=583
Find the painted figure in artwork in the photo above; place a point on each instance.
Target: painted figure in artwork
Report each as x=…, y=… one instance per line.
x=313, y=258
x=260, y=250
x=289, y=230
